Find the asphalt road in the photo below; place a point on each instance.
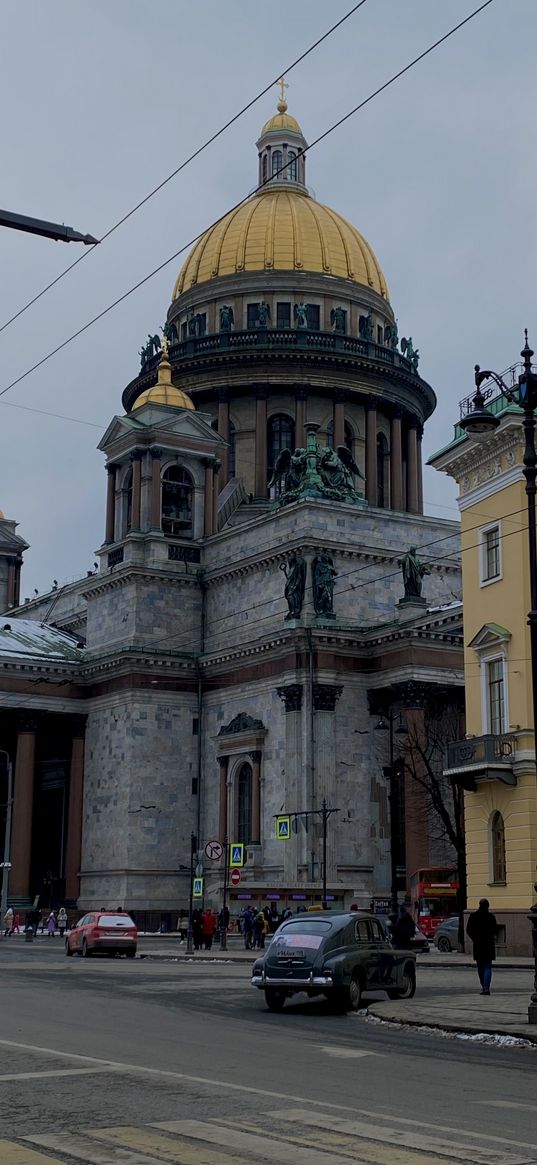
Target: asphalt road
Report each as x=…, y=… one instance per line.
x=98, y=1055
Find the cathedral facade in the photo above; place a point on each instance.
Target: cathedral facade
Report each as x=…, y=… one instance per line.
x=247, y=625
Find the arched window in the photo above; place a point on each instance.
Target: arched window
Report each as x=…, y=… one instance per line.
x=280, y=435
x=177, y=489
x=127, y=486
x=277, y=161
x=292, y=166
x=497, y=848
x=330, y=435
x=382, y=471
x=244, y=803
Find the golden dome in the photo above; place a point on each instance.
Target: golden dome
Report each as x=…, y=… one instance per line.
x=282, y=230
x=281, y=120
x=164, y=392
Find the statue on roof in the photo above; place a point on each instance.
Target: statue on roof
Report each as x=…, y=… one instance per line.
x=315, y=471
x=226, y=318
x=365, y=327
x=151, y=349
x=323, y=575
x=413, y=572
x=295, y=584
x=412, y=354
x=338, y=317
x=263, y=314
x=301, y=315
x=391, y=336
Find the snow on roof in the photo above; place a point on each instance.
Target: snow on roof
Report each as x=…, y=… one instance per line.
x=26, y=637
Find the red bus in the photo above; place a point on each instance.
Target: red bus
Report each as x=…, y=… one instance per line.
x=433, y=892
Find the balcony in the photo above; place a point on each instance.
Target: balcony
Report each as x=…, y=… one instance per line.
x=481, y=758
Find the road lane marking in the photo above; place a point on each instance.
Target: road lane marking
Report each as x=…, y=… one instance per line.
x=13, y=1154
x=345, y=1053
x=73, y=1145
x=469, y=1154
x=226, y=1085
x=97, y=1070
x=172, y=1149
x=507, y=1104
x=259, y=1145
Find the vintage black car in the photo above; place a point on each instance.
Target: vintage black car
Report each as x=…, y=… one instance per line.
x=337, y=955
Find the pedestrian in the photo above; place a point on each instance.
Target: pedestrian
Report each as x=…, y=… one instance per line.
x=223, y=921
x=51, y=925
x=8, y=922
x=208, y=926
x=403, y=930
x=197, y=932
x=16, y=923
x=248, y=929
x=482, y=928
x=260, y=930
x=287, y=914
x=62, y=920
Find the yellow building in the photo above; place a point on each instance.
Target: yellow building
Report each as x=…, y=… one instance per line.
x=496, y=762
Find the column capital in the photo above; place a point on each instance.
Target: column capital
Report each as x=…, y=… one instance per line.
x=261, y=391
x=110, y=467
x=223, y=395
x=301, y=393
x=372, y=403
x=291, y=694
x=136, y=455
x=325, y=697
x=156, y=454
x=27, y=721
x=396, y=413
x=256, y=755
x=217, y=465
x=208, y=462
x=343, y=394
x=419, y=428
x=413, y=422
x=223, y=761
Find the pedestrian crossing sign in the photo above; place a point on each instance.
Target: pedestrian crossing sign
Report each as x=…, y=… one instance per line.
x=197, y=888
x=236, y=854
x=283, y=828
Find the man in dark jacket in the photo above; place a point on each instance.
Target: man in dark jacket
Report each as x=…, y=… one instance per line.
x=403, y=930
x=483, y=929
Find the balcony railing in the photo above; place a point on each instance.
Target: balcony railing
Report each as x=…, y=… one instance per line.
x=486, y=756
x=301, y=338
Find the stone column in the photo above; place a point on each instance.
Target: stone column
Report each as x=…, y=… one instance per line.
x=325, y=697
x=217, y=465
x=412, y=470
x=396, y=463
x=256, y=797
x=417, y=809
x=339, y=417
x=300, y=416
x=10, y=587
x=223, y=761
x=295, y=851
x=17, y=580
x=208, y=463
x=261, y=443
x=223, y=430
x=23, y=803
x=371, y=452
x=136, y=458
x=156, y=523
x=110, y=503
x=420, y=469
x=74, y=818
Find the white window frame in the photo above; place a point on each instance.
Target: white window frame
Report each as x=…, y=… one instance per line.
x=493, y=657
x=484, y=530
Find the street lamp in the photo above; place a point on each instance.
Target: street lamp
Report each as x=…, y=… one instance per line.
x=39, y=226
x=480, y=421
x=6, y=864
x=386, y=723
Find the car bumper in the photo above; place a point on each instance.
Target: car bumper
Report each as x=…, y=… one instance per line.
x=112, y=944
x=322, y=981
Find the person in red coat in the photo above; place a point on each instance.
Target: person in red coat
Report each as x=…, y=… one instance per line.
x=208, y=927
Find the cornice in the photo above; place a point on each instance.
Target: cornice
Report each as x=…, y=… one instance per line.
x=125, y=573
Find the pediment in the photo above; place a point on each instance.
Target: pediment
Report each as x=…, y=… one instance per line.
x=118, y=428
x=156, y=421
x=491, y=635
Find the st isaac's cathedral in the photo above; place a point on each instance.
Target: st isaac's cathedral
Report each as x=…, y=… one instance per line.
x=249, y=621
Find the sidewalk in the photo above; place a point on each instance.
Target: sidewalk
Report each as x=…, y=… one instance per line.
x=237, y=954
x=504, y=1012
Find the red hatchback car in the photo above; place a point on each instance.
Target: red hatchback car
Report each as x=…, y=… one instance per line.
x=111, y=932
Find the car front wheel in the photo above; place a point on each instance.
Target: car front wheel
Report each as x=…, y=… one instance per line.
x=84, y=950
x=68, y=950
x=443, y=944
x=274, y=999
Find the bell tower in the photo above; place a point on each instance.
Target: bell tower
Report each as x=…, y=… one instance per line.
x=280, y=149
x=12, y=547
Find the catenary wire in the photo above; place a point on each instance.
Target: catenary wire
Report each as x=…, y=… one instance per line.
x=191, y=242
x=209, y=141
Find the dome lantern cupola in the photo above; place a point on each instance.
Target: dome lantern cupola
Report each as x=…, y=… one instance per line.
x=281, y=148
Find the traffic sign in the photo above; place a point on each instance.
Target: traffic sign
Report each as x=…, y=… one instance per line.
x=236, y=854
x=197, y=888
x=199, y=870
x=283, y=828
x=214, y=850
x=235, y=877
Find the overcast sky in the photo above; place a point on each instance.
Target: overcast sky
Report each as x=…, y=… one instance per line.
x=100, y=100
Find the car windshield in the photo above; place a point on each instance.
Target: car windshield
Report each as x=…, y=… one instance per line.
x=122, y=920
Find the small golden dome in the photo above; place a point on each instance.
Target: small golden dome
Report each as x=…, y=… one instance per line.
x=164, y=392
x=2, y=516
x=281, y=120
x=282, y=230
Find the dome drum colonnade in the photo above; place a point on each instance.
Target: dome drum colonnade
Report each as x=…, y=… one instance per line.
x=281, y=314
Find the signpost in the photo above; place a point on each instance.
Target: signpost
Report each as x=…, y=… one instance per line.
x=236, y=853
x=283, y=828
x=214, y=850
x=283, y=832
x=235, y=877
x=197, y=888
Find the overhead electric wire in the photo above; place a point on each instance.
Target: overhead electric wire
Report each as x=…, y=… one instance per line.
x=241, y=201
x=209, y=141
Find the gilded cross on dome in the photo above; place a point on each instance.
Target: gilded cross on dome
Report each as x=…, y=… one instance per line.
x=283, y=86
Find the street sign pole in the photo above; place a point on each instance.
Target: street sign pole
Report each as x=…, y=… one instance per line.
x=190, y=933
x=223, y=929
x=6, y=865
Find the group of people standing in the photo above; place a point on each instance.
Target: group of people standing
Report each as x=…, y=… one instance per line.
x=49, y=922
x=256, y=924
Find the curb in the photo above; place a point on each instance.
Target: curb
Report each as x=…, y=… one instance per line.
x=458, y=1029
x=220, y=957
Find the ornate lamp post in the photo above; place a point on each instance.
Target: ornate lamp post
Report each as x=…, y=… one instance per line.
x=386, y=723
x=479, y=420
